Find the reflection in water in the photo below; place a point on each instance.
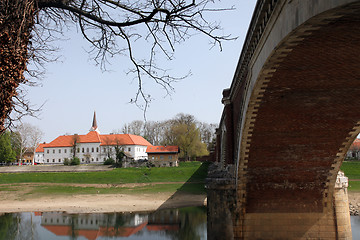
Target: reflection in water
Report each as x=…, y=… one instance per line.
x=184, y=224
x=181, y=224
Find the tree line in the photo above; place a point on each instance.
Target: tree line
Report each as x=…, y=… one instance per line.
x=194, y=138
x=24, y=138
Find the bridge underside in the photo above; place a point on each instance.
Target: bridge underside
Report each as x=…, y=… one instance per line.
x=305, y=119
x=305, y=116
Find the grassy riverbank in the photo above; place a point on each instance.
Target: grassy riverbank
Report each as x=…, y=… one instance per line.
x=352, y=171
x=188, y=178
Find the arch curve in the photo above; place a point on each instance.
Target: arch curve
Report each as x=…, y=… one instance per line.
x=302, y=116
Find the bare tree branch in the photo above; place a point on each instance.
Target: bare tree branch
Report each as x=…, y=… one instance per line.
x=109, y=27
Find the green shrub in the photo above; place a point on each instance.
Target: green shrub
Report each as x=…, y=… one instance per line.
x=75, y=161
x=109, y=161
x=66, y=161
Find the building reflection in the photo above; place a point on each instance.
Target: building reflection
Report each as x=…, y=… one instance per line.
x=92, y=226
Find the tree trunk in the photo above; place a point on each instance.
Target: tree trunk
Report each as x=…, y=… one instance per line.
x=16, y=22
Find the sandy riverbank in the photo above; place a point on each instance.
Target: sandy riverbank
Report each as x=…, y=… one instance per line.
x=95, y=203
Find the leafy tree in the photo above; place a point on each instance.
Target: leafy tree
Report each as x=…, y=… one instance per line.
x=28, y=26
x=75, y=161
x=187, y=137
x=7, y=154
x=109, y=161
x=67, y=161
x=183, y=130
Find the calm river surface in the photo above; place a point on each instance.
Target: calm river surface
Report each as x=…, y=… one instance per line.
x=182, y=224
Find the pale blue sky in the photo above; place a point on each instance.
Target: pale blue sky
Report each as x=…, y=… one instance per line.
x=75, y=87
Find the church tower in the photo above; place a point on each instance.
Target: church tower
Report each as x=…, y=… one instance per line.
x=94, y=124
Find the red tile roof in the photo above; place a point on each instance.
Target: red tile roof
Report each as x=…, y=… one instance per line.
x=40, y=147
x=355, y=144
x=104, y=140
x=162, y=227
x=162, y=149
x=123, y=139
x=92, y=234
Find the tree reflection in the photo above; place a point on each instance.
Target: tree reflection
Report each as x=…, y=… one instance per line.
x=15, y=226
x=8, y=226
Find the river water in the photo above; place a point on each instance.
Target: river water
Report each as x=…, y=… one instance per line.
x=182, y=224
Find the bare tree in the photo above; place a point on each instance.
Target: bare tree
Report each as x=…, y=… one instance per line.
x=27, y=27
x=74, y=144
x=28, y=138
x=207, y=133
x=153, y=132
x=136, y=127
x=35, y=138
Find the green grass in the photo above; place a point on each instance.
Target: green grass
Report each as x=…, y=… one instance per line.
x=354, y=186
x=172, y=178
x=187, y=171
x=351, y=169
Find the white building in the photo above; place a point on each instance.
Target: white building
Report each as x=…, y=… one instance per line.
x=39, y=153
x=92, y=147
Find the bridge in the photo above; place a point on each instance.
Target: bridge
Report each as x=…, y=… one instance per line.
x=289, y=117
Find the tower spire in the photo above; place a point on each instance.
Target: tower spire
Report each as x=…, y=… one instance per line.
x=94, y=126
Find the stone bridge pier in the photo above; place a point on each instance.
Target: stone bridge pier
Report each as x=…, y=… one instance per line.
x=290, y=115
x=226, y=221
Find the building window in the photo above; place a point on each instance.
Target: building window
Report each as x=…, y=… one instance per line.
x=97, y=159
x=97, y=149
x=129, y=149
x=64, y=150
x=59, y=150
x=152, y=157
x=87, y=149
x=82, y=159
x=104, y=159
x=53, y=160
x=170, y=157
x=59, y=160
x=104, y=149
x=53, y=150
x=78, y=149
x=47, y=160
x=92, y=159
x=82, y=150
x=161, y=157
x=92, y=149
x=47, y=151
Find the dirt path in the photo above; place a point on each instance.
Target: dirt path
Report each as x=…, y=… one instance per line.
x=101, y=203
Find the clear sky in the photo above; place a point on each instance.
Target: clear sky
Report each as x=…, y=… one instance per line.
x=74, y=88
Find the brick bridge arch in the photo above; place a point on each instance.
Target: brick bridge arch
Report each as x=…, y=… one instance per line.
x=285, y=130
